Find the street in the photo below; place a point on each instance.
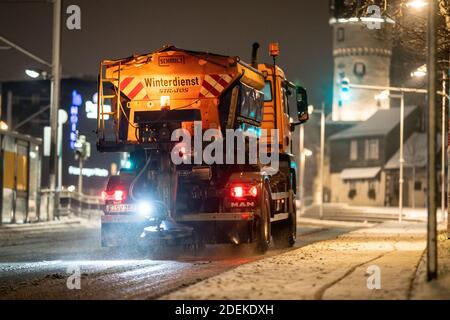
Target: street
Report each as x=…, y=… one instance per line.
x=34, y=265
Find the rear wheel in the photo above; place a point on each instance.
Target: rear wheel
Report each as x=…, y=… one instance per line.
x=263, y=224
x=285, y=231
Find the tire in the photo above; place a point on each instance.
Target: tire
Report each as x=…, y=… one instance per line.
x=285, y=232
x=263, y=224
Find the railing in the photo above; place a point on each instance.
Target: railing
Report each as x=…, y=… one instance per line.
x=73, y=203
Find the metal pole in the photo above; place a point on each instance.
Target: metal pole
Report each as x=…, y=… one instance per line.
x=24, y=51
x=402, y=160
x=54, y=104
x=9, y=102
x=443, y=149
x=59, y=181
x=432, y=260
x=80, y=177
x=302, y=169
x=1, y=101
x=80, y=186
x=322, y=156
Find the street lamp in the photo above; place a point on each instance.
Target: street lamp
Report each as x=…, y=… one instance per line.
x=3, y=126
x=308, y=152
x=419, y=72
x=417, y=4
x=32, y=73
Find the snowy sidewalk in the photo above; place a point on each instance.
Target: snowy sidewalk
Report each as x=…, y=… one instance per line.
x=21, y=233
x=333, y=269
x=347, y=212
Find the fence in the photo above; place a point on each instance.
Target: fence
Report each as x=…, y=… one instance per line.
x=73, y=203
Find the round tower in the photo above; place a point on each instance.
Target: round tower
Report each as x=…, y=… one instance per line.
x=362, y=51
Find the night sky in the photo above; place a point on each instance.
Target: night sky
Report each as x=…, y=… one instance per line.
x=115, y=29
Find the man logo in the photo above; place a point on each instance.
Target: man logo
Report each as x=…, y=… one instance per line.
x=242, y=204
x=374, y=278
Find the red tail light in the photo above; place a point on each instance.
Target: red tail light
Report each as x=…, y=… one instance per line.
x=237, y=192
x=240, y=192
x=253, y=191
x=119, y=195
x=115, y=195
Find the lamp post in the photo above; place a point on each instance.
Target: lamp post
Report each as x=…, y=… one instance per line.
x=54, y=102
x=311, y=110
x=402, y=160
x=302, y=168
x=420, y=73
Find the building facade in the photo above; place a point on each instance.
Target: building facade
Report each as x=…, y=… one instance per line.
x=359, y=171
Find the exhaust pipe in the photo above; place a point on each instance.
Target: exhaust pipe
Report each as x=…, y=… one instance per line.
x=255, y=48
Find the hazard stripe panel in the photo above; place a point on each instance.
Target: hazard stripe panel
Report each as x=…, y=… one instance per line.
x=133, y=88
x=214, y=84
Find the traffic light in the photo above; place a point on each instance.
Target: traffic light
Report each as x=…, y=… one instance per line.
x=345, y=89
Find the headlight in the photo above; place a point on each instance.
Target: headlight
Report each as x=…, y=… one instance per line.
x=145, y=209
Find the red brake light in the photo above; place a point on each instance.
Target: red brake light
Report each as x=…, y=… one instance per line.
x=253, y=191
x=114, y=195
x=243, y=191
x=119, y=195
x=237, y=192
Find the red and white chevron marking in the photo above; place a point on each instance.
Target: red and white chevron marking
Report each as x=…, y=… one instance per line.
x=214, y=84
x=133, y=88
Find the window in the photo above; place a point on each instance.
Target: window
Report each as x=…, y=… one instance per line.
x=418, y=185
x=285, y=101
x=359, y=69
x=371, y=149
x=371, y=193
x=267, y=91
x=340, y=34
x=354, y=150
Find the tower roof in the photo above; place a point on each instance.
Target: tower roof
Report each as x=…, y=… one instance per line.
x=380, y=124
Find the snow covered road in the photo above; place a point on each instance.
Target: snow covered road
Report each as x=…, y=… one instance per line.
x=38, y=262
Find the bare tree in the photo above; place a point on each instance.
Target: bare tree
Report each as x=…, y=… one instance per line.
x=409, y=30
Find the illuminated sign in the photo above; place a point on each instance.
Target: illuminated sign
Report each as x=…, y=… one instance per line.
x=88, y=172
x=91, y=108
x=76, y=103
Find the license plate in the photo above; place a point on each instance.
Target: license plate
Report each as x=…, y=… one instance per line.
x=120, y=208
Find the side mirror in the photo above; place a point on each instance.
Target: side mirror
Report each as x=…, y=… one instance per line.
x=302, y=105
